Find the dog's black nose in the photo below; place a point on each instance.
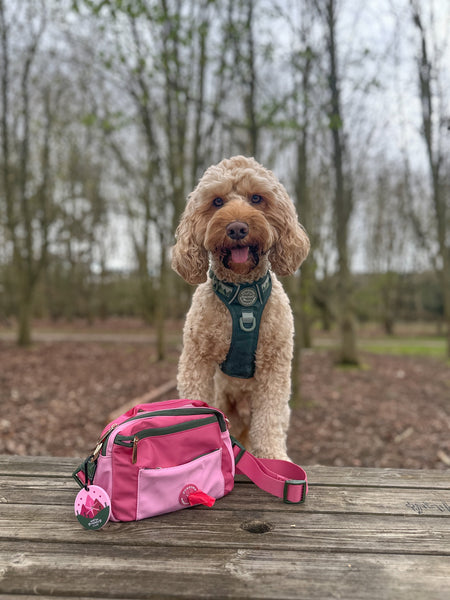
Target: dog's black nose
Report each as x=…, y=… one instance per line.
x=237, y=230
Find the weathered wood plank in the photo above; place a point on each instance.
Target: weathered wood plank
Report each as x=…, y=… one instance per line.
x=38, y=466
x=374, y=477
x=363, y=533
x=201, y=527
x=45, y=466
x=47, y=597
x=357, y=500
x=57, y=569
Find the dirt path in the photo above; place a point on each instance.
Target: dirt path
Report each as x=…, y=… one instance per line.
x=40, y=337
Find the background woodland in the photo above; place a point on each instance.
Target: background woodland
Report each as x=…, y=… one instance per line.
x=110, y=110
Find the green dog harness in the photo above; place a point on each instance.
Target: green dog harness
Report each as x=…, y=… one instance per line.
x=246, y=302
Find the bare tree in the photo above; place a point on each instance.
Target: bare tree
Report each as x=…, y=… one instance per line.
x=161, y=60
x=242, y=67
x=25, y=214
x=434, y=131
x=343, y=192
x=296, y=111
x=385, y=216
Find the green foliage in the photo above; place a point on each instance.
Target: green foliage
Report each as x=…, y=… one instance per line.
x=407, y=297
x=406, y=346
x=132, y=8
x=70, y=292
x=75, y=291
x=108, y=124
x=335, y=122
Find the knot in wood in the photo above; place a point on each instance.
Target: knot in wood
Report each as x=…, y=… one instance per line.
x=256, y=526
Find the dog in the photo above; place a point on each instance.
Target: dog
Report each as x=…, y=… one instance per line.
x=238, y=233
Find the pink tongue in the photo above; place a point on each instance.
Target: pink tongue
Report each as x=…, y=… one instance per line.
x=239, y=255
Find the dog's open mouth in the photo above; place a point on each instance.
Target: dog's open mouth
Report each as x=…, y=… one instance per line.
x=240, y=255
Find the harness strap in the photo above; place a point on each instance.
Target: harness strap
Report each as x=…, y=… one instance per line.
x=245, y=302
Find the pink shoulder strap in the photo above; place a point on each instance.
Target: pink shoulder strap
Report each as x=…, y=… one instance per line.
x=277, y=477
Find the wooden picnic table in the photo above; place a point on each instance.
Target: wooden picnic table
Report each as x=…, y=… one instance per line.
x=362, y=533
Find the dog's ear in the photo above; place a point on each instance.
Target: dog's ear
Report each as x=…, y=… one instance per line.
x=292, y=246
x=189, y=257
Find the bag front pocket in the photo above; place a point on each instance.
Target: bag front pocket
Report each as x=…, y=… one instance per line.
x=167, y=489
x=161, y=433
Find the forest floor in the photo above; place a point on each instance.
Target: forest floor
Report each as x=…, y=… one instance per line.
x=393, y=411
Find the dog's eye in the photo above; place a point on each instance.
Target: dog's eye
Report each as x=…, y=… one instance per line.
x=218, y=201
x=256, y=199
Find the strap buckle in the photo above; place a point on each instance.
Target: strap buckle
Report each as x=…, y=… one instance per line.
x=86, y=470
x=289, y=482
x=242, y=451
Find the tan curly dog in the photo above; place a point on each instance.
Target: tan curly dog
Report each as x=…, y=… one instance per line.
x=240, y=231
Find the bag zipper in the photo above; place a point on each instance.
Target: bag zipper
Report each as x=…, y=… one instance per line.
x=184, y=412
x=131, y=441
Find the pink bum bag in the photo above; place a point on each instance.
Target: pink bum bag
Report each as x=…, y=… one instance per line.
x=164, y=456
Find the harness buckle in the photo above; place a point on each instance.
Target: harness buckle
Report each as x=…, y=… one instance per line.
x=247, y=322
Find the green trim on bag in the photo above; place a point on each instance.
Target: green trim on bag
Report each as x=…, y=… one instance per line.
x=183, y=412
x=127, y=440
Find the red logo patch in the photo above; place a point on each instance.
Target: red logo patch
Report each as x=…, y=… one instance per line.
x=186, y=492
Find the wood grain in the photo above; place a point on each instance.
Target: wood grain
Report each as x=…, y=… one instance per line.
x=362, y=534
x=56, y=569
x=348, y=499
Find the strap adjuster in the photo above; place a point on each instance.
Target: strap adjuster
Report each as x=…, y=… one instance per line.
x=242, y=451
x=289, y=482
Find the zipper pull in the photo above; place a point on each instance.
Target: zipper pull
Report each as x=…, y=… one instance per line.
x=100, y=441
x=107, y=432
x=134, y=455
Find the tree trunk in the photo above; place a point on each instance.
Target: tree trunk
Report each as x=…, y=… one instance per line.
x=20, y=206
x=446, y=291
x=431, y=121
x=293, y=288
x=342, y=204
x=250, y=97
x=161, y=303
x=24, y=315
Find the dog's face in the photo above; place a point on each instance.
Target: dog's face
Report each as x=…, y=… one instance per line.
x=240, y=217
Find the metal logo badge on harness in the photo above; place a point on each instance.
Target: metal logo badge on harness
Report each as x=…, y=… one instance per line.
x=247, y=297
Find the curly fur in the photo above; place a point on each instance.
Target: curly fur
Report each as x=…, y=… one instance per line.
x=258, y=407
